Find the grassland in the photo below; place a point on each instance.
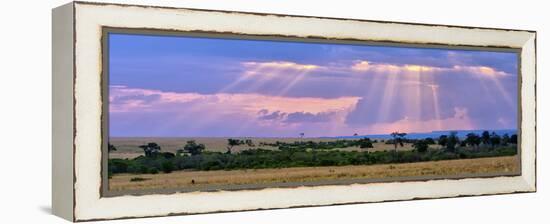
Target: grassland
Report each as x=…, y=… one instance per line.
x=179, y=179
x=128, y=147
x=217, y=163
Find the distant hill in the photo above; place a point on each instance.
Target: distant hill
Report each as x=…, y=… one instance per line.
x=433, y=134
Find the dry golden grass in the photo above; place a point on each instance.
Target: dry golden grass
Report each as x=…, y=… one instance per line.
x=129, y=147
x=303, y=174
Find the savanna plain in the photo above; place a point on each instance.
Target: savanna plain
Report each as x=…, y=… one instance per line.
x=145, y=163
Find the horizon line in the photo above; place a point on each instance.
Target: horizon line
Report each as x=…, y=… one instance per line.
x=297, y=136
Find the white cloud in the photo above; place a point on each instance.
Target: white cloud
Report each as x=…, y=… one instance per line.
x=366, y=66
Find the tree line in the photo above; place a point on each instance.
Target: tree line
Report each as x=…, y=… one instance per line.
x=452, y=141
x=194, y=156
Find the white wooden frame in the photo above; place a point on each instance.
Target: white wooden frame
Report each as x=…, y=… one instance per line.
x=77, y=108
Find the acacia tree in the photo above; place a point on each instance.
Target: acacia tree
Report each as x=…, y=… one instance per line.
x=472, y=139
x=442, y=140
x=365, y=143
x=421, y=145
x=230, y=143
x=111, y=147
x=429, y=141
x=150, y=149
x=452, y=140
x=398, y=138
x=485, y=138
x=494, y=140
x=514, y=139
x=193, y=148
x=505, y=139
x=249, y=142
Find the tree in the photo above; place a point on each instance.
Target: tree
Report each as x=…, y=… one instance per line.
x=398, y=138
x=421, y=146
x=429, y=141
x=442, y=141
x=180, y=152
x=150, y=149
x=167, y=167
x=365, y=143
x=193, y=148
x=472, y=139
x=514, y=139
x=452, y=140
x=111, y=147
x=485, y=138
x=230, y=143
x=249, y=142
x=168, y=155
x=494, y=140
x=505, y=139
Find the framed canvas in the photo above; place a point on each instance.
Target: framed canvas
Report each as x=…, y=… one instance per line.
x=173, y=111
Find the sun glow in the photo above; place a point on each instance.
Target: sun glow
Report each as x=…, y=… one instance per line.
x=418, y=68
x=361, y=66
x=280, y=65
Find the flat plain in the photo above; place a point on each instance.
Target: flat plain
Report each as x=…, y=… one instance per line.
x=222, y=178
x=128, y=147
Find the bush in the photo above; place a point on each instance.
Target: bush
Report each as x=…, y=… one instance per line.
x=137, y=179
x=167, y=167
x=168, y=155
x=421, y=146
x=297, y=155
x=118, y=166
x=193, y=148
x=430, y=141
x=136, y=167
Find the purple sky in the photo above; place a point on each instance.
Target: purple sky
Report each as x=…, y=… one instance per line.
x=181, y=86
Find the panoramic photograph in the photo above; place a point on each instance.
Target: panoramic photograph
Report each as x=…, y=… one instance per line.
x=215, y=113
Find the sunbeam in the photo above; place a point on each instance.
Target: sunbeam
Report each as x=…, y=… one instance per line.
x=503, y=93
x=328, y=90
x=387, y=98
x=435, y=98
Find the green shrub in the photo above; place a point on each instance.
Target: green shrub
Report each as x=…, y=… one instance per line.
x=137, y=179
x=118, y=165
x=298, y=155
x=421, y=146
x=167, y=167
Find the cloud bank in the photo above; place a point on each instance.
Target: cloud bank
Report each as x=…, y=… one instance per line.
x=162, y=86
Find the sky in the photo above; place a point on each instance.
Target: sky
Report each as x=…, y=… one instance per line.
x=168, y=86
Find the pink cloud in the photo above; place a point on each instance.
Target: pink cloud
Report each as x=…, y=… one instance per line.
x=124, y=99
x=316, y=116
x=249, y=114
x=459, y=121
